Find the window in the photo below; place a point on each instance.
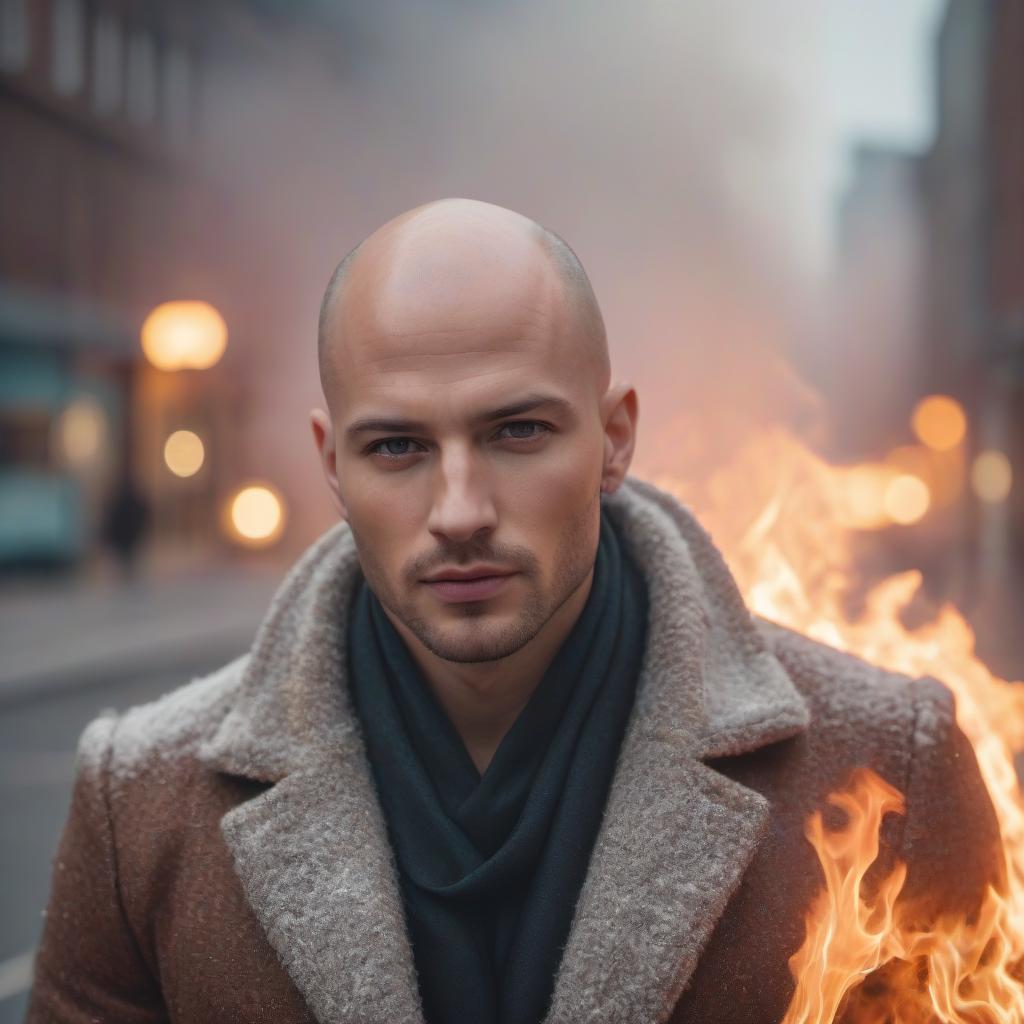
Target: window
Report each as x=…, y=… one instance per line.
x=108, y=64
x=68, y=69
x=14, y=41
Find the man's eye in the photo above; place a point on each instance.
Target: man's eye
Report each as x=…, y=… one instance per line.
x=525, y=423
x=396, y=447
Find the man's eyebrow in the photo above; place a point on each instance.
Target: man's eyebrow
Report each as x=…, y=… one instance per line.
x=525, y=404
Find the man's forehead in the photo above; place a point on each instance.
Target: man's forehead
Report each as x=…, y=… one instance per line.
x=444, y=345
x=423, y=381
x=452, y=376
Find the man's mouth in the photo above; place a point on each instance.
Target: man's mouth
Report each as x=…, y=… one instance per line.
x=476, y=588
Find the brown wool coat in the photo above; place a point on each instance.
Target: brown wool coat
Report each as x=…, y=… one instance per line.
x=225, y=859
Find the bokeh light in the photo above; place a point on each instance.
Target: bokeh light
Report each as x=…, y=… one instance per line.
x=862, y=497
x=256, y=515
x=81, y=431
x=992, y=476
x=939, y=422
x=907, y=499
x=943, y=472
x=184, y=453
x=184, y=335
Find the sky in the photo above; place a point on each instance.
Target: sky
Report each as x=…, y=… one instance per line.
x=879, y=67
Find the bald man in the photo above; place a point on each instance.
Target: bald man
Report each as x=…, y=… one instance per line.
x=508, y=747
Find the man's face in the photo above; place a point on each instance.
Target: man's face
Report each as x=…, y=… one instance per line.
x=456, y=486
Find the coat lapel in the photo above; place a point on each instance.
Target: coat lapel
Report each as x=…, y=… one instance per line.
x=673, y=848
x=677, y=836
x=312, y=850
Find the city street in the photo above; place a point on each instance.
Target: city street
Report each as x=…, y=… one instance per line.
x=751, y=274
x=134, y=643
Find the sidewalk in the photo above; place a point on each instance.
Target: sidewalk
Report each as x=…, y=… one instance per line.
x=60, y=634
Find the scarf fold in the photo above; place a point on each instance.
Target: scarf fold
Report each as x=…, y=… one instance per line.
x=491, y=866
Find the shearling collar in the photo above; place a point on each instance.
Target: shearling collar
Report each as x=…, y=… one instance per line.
x=677, y=836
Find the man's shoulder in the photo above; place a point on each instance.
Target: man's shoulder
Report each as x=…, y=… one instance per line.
x=164, y=730
x=845, y=690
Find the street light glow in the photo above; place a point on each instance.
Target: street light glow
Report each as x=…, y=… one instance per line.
x=184, y=453
x=256, y=515
x=907, y=499
x=184, y=335
x=940, y=422
x=992, y=476
x=81, y=431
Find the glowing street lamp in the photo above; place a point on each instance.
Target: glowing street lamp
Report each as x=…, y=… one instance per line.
x=81, y=431
x=184, y=335
x=255, y=515
x=992, y=476
x=184, y=453
x=939, y=422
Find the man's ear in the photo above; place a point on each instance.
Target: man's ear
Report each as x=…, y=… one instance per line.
x=619, y=411
x=323, y=435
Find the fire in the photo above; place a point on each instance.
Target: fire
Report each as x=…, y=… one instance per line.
x=848, y=934
x=951, y=971
x=786, y=522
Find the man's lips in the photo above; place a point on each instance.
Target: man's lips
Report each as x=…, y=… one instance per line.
x=471, y=572
x=475, y=589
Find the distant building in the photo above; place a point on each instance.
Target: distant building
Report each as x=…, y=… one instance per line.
x=875, y=355
x=974, y=182
x=106, y=211
x=98, y=112
x=976, y=223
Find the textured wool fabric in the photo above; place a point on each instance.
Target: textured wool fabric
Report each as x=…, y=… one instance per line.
x=490, y=867
x=225, y=858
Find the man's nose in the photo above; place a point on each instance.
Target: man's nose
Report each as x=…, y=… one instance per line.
x=463, y=503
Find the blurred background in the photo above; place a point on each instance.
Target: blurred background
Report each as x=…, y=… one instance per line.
x=804, y=221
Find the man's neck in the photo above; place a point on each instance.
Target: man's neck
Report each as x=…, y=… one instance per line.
x=483, y=699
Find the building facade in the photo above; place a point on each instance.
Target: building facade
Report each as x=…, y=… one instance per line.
x=108, y=210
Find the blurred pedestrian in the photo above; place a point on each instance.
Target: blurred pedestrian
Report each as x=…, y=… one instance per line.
x=125, y=524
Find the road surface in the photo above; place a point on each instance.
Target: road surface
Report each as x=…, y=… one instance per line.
x=131, y=652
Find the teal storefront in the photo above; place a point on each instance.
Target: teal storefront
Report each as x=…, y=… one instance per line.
x=61, y=410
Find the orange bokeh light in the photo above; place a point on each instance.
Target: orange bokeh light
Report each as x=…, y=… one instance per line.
x=907, y=499
x=992, y=476
x=185, y=335
x=939, y=422
x=255, y=515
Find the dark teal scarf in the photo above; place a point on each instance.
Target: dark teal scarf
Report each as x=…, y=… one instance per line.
x=491, y=866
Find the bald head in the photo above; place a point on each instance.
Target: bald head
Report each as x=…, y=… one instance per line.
x=466, y=252
x=471, y=419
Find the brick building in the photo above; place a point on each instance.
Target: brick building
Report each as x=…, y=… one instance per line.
x=108, y=207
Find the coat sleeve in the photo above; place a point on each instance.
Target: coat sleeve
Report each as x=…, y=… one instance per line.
x=951, y=838
x=89, y=967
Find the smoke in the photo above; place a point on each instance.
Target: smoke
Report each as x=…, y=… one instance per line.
x=678, y=147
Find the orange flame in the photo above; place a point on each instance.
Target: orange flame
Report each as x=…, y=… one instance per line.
x=951, y=972
x=848, y=935
x=785, y=521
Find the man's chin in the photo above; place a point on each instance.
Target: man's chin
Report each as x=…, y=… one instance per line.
x=473, y=642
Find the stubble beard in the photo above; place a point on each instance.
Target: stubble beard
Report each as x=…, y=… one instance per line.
x=473, y=639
